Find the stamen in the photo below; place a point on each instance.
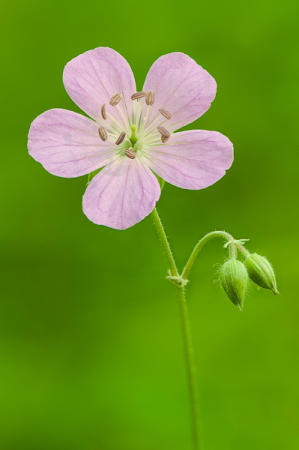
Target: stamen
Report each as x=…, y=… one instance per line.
x=103, y=112
x=103, y=133
x=165, y=113
x=164, y=139
x=130, y=154
x=115, y=99
x=163, y=132
x=120, y=138
x=150, y=98
x=138, y=95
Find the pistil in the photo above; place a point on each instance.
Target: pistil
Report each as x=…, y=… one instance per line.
x=133, y=137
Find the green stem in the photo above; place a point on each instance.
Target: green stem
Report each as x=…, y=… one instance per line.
x=186, y=330
x=201, y=243
x=164, y=241
x=190, y=365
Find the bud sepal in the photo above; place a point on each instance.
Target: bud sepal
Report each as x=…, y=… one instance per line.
x=234, y=280
x=261, y=272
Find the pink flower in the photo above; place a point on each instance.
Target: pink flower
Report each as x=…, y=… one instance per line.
x=130, y=134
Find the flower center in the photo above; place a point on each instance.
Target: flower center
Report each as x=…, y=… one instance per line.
x=143, y=129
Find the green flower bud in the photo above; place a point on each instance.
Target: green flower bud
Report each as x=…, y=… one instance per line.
x=261, y=272
x=234, y=279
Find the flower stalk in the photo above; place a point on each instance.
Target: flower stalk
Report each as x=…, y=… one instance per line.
x=186, y=328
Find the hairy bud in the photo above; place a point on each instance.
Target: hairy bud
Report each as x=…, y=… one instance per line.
x=261, y=272
x=234, y=279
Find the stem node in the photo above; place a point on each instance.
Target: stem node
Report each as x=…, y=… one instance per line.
x=178, y=281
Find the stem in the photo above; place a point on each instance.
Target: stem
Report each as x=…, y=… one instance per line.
x=186, y=330
x=190, y=365
x=201, y=243
x=164, y=241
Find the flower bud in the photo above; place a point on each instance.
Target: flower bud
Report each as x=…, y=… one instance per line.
x=234, y=279
x=261, y=272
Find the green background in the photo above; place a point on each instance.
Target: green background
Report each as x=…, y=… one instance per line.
x=90, y=344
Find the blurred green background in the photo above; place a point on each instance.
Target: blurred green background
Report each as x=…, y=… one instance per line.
x=90, y=344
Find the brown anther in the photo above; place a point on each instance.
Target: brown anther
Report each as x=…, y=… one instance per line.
x=165, y=113
x=130, y=154
x=120, y=138
x=150, y=98
x=103, y=112
x=115, y=99
x=163, y=132
x=138, y=95
x=164, y=139
x=103, y=133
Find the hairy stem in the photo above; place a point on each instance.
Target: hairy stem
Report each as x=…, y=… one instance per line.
x=186, y=331
x=164, y=241
x=190, y=365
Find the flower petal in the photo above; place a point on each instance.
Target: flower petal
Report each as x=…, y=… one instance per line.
x=192, y=159
x=93, y=77
x=122, y=194
x=181, y=87
x=67, y=144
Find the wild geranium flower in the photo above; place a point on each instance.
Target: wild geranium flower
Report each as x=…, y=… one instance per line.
x=130, y=134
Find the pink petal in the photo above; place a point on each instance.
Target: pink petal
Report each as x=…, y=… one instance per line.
x=122, y=194
x=67, y=144
x=181, y=87
x=192, y=159
x=93, y=77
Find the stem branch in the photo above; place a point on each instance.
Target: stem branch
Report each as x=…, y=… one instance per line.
x=202, y=242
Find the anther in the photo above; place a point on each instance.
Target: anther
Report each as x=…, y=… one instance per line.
x=103, y=112
x=163, y=132
x=138, y=95
x=115, y=99
x=150, y=98
x=164, y=139
x=130, y=154
x=120, y=138
x=165, y=113
x=103, y=134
